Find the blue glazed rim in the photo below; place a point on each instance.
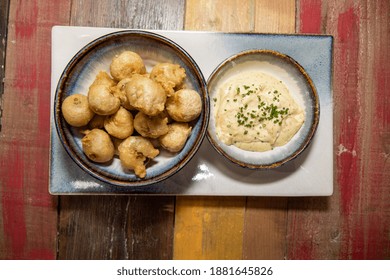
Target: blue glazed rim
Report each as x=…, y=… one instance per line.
x=94, y=169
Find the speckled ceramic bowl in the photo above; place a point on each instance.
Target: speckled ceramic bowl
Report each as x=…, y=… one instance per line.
x=301, y=87
x=81, y=72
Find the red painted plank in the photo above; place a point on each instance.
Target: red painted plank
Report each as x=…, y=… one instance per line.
x=310, y=16
x=349, y=162
x=27, y=22
x=4, y=5
x=354, y=222
x=378, y=229
x=313, y=224
x=12, y=204
x=346, y=83
x=28, y=212
x=362, y=168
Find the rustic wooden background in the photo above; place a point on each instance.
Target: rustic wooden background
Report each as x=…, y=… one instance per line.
x=354, y=223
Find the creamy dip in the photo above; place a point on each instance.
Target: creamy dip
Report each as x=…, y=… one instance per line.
x=255, y=112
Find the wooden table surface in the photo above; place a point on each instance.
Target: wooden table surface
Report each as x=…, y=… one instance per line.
x=354, y=223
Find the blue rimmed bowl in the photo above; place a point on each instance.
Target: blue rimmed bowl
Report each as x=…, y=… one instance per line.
x=300, y=86
x=81, y=72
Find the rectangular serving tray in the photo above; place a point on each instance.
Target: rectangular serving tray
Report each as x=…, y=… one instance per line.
x=208, y=173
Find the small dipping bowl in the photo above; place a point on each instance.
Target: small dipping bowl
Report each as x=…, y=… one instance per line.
x=300, y=86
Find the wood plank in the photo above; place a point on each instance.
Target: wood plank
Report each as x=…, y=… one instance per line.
x=219, y=15
x=205, y=227
x=115, y=227
x=266, y=218
x=276, y=16
x=120, y=227
x=353, y=223
x=265, y=228
x=362, y=162
x=167, y=14
x=209, y=228
x=314, y=223
x=29, y=213
x=4, y=6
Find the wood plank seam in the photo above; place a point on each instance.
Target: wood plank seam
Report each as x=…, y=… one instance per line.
x=57, y=252
x=252, y=22
x=4, y=12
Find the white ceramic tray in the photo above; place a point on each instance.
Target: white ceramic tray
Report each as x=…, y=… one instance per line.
x=208, y=173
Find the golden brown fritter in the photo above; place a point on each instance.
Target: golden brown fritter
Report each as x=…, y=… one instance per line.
x=168, y=75
x=134, y=151
x=184, y=105
x=145, y=95
x=176, y=137
x=97, y=145
x=151, y=127
x=120, y=124
x=102, y=101
x=76, y=111
x=126, y=64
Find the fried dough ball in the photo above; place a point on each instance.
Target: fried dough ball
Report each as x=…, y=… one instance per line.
x=76, y=111
x=120, y=124
x=176, y=137
x=184, y=105
x=145, y=95
x=119, y=92
x=168, y=75
x=97, y=145
x=96, y=122
x=151, y=127
x=134, y=151
x=102, y=78
x=102, y=101
x=126, y=64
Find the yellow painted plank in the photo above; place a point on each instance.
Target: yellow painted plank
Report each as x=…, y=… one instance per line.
x=222, y=227
x=205, y=227
x=276, y=16
x=266, y=218
x=209, y=228
x=220, y=15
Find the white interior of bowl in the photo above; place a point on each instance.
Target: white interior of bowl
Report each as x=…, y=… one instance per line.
x=282, y=70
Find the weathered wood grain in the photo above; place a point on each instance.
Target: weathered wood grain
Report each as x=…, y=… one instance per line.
x=4, y=5
x=261, y=223
x=276, y=16
x=362, y=35
x=354, y=222
x=313, y=223
x=29, y=213
x=115, y=228
x=265, y=228
x=142, y=227
x=211, y=228
x=149, y=14
x=266, y=218
x=219, y=15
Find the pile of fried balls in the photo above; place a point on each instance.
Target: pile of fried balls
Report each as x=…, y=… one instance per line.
x=132, y=113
